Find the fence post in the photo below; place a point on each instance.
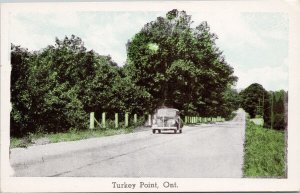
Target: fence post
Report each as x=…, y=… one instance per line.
x=149, y=119
x=116, y=120
x=103, y=120
x=185, y=119
x=135, y=118
x=126, y=119
x=92, y=122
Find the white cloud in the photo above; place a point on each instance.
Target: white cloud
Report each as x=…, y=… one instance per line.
x=231, y=29
x=63, y=19
x=24, y=34
x=109, y=36
x=271, y=78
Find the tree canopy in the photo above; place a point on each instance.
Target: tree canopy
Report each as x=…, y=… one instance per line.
x=169, y=63
x=54, y=89
x=179, y=66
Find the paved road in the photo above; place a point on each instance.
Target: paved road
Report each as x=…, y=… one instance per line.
x=207, y=150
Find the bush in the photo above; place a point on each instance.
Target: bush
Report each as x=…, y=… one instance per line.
x=55, y=89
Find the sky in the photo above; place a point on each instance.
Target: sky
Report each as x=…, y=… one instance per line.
x=255, y=44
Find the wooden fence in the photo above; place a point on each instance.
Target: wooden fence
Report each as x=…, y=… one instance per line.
x=103, y=122
x=187, y=120
x=196, y=119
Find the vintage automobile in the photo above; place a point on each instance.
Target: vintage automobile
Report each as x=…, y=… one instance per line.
x=167, y=119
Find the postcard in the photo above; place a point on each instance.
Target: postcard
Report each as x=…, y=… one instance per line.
x=148, y=96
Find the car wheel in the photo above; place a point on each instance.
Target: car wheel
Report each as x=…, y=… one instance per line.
x=180, y=131
x=153, y=131
x=159, y=131
x=175, y=130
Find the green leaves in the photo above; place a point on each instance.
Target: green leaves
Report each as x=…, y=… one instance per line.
x=55, y=89
x=168, y=63
x=257, y=101
x=253, y=96
x=184, y=66
x=153, y=47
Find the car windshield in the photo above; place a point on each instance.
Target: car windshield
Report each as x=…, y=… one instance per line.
x=166, y=113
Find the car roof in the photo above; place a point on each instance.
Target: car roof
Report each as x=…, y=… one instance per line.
x=168, y=108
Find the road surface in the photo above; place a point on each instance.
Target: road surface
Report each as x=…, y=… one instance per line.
x=206, y=150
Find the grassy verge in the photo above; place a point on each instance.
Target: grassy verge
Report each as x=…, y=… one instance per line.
x=264, y=152
x=72, y=135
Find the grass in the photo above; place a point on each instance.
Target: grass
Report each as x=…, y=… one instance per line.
x=72, y=135
x=264, y=152
x=258, y=121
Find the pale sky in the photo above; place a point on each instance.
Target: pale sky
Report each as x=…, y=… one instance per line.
x=254, y=44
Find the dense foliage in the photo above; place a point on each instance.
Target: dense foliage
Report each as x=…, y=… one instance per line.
x=169, y=63
x=255, y=101
x=54, y=89
x=279, y=109
x=264, y=152
x=270, y=105
x=180, y=66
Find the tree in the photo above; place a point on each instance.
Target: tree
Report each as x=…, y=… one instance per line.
x=279, y=112
x=54, y=89
x=20, y=97
x=179, y=66
x=256, y=101
x=231, y=101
